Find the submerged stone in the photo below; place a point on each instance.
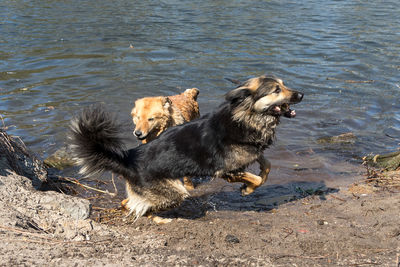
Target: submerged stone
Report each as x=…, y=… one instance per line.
x=61, y=159
x=346, y=138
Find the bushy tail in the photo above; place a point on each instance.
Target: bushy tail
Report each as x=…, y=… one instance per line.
x=96, y=143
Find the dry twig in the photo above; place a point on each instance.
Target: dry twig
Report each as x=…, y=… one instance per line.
x=76, y=181
x=338, y=198
x=5, y=228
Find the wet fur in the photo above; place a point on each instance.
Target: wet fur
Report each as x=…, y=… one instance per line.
x=153, y=115
x=222, y=144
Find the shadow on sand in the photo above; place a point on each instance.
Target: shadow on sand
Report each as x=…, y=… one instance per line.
x=263, y=199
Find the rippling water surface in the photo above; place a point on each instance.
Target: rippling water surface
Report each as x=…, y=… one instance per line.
x=58, y=56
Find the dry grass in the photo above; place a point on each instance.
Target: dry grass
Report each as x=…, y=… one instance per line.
x=389, y=180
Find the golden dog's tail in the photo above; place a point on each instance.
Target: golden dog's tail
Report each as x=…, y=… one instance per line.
x=96, y=143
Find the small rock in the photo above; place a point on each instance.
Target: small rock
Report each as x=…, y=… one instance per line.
x=79, y=238
x=232, y=239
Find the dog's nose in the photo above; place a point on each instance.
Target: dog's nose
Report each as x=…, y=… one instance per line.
x=300, y=96
x=297, y=97
x=137, y=133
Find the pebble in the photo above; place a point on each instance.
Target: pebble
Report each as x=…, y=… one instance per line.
x=232, y=239
x=322, y=222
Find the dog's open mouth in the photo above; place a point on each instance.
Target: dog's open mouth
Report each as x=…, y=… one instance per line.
x=141, y=137
x=284, y=110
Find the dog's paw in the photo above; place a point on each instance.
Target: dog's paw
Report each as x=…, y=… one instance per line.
x=246, y=190
x=159, y=220
x=123, y=204
x=188, y=184
x=189, y=187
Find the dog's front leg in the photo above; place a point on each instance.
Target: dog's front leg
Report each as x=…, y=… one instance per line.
x=265, y=168
x=251, y=181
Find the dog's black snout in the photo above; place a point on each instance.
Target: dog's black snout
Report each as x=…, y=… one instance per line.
x=137, y=133
x=297, y=97
x=300, y=96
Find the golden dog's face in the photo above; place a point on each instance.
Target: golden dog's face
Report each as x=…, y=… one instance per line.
x=149, y=114
x=265, y=94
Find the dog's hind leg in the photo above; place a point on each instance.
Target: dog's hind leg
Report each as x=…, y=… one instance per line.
x=160, y=195
x=156, y=219
x=136, y=204
x=187, y=183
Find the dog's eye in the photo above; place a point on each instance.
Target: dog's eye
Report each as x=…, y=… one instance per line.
x=151, y=119
x=277, y=90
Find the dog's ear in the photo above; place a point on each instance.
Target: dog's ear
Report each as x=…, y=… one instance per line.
x=167, y=103
x=236, y=96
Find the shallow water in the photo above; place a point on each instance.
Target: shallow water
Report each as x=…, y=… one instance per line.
x=57, y=57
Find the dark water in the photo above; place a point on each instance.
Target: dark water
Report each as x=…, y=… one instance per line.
x=58, y=56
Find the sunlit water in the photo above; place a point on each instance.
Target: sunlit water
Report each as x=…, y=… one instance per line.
x=57, y=57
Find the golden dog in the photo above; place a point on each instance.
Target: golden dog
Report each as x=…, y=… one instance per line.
x=153, y=115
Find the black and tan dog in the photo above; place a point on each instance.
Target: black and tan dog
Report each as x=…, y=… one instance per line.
x=220, y=144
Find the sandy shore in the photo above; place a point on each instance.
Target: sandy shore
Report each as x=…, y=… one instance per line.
x=355, y=225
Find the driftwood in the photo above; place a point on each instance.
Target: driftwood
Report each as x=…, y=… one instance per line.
x=388, y=162
x=15, y=157
x=26, y=206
